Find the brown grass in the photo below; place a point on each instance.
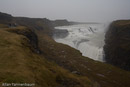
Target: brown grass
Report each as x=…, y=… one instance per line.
x=18, y=64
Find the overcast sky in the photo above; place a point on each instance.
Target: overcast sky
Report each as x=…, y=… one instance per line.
x=73, y=10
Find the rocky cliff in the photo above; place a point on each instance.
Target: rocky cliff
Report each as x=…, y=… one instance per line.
x=117, y=48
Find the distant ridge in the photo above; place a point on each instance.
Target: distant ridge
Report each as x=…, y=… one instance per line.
x=5, y=18
x=60, y=22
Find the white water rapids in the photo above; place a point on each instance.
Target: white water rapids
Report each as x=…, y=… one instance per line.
x=87, y=38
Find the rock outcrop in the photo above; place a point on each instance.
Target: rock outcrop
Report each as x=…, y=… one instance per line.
x=28, y=33
x=117, y=48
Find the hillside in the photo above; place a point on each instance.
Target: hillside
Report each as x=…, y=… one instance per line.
x=117, y=48
x=28, y=54
x=20, y=64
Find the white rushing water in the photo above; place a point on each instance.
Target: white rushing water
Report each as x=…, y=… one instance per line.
x=87, y=38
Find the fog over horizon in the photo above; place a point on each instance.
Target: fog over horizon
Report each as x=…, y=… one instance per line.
x=72, y=10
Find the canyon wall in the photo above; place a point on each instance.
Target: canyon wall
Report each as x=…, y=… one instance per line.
x=117, y=48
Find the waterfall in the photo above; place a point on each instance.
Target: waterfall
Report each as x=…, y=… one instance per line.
x=87, y=38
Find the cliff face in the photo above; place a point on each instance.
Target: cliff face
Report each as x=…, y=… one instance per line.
x=117, y=48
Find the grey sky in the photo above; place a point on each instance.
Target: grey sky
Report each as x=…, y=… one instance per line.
x=74, y=10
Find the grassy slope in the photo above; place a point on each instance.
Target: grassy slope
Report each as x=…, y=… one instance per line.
x=71, y=59
x=19, y=64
